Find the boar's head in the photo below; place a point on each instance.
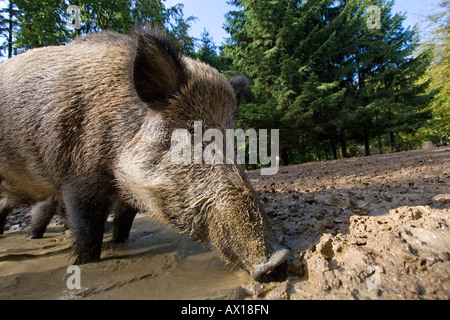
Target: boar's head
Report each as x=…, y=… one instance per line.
x=213, y=203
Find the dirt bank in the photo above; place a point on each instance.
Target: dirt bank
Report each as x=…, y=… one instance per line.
x=362, y=228
x=374, y=227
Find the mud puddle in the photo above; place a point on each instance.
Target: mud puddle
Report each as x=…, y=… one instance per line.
x=154, y=264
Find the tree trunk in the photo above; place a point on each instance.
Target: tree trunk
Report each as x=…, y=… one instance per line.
x=302, y=153
x=318, y=155
x=366, y=142
x=344, y=145
x=10, y=30
x=380, y=144
x=333, y=149
x=284, y=157
x=393, y=142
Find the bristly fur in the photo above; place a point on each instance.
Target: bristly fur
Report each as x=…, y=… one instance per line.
x=240, y=85
x=91, y=123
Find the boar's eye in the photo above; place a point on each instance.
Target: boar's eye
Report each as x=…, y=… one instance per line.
x=240, y=84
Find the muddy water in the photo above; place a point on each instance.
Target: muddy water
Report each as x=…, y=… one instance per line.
x=154, y=264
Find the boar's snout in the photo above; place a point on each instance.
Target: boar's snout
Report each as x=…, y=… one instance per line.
x=276, y=258
x=240, y=232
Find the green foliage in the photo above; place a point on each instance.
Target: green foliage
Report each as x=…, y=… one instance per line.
x=98, y=15
x=38, y=23
x=439, y=72
x=124, y=15
x=42, y=23
x=208, y=50
x=324, y=77
x=209, y=53
x=8, y=25
x=319, y=72
x=179, y=27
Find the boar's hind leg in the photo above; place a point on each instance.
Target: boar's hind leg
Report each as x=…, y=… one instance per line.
x=5, y=210
x=41, y=214
x=123, y=220
x=86, y=218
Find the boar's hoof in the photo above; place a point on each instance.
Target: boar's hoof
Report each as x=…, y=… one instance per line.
x=34, y=235
x=276, y=259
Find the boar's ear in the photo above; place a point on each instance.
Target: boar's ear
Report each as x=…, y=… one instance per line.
x=240, y=85
x=158, y=70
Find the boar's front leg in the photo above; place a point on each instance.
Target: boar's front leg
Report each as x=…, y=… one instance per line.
x=5, y=210
x=86, y=216
x=123, y=220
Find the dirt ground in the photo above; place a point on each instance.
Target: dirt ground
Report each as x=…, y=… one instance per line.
x=362, y=228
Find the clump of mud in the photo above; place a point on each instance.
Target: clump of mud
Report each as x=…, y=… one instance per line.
x=403, y=255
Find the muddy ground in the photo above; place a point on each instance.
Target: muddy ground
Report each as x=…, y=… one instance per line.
x=363, y=228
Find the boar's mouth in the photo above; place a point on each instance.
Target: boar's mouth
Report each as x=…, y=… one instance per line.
x=277, y=258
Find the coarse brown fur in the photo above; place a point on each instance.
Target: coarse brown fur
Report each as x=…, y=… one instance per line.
x=91, y=122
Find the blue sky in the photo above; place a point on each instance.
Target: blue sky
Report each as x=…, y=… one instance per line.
x=417, y=11
x=210, y=14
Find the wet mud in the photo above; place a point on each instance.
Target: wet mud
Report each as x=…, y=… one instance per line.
x=362, y=228
x=155, y=264
x=365, y=228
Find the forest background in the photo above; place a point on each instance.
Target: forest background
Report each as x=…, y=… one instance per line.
x=334, y=76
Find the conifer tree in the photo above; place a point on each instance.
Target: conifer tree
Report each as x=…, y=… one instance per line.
x=38, y=23
x=323, y=76
x=208, y=52
x=41, y=23
x=8, y=26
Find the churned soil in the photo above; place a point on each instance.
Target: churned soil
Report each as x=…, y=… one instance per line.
x=362, y=228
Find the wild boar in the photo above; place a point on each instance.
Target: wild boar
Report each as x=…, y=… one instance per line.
x=91, y=123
